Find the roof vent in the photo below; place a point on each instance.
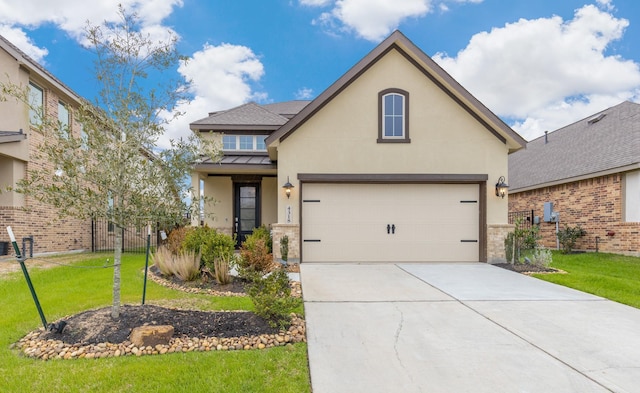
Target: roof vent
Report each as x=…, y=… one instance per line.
x=596, y=118
x=546, y=139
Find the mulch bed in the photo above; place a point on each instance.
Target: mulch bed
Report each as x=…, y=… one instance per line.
x=527, y=268
x=97, y=326
x=95, y=333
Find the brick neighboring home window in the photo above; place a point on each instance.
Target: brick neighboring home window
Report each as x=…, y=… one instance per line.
x=36, y=102
x=393, y=116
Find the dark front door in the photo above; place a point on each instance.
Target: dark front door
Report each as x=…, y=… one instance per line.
x=247, y=209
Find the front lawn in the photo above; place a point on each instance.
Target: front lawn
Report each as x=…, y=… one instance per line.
x=64, y=291
x=612, y=276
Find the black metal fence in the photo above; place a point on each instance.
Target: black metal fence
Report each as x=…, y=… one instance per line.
x=526, y=218
x=134, y=239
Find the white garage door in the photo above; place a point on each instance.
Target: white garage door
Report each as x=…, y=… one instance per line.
x=390, y=222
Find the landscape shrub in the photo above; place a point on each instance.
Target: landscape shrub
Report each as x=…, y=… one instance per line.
x=568, y=237
x=175, y=239
x=211, y=245
x=520, y=240
x=185, y=264
x=540, y=257
x=262, y=232
x=255, y=256
x=195, y=237
x=271, y=297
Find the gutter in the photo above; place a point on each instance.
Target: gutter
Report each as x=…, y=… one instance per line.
x=626, y=168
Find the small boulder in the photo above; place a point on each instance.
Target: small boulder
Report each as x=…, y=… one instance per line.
x=150, y=336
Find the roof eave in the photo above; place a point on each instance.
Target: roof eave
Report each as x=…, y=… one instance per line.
x=626, y=168
x=232, y=127
x=32, y=66
x=438, y=75
x=13, y=137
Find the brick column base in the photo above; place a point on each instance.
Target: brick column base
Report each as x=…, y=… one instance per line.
x=496, y=233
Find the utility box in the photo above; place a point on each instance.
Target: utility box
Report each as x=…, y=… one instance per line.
x=548, y=212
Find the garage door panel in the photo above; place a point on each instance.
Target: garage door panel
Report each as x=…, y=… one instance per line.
x=430, y=222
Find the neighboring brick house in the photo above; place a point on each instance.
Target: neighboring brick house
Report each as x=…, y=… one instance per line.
x=18, y=141
x=590, y=171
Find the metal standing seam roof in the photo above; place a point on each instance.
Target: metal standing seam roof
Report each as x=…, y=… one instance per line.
x=605, y=141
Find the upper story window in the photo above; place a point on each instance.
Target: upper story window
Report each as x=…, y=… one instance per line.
x=63, y=118
x=393, y=116
x=36, y=101
x=244, y=142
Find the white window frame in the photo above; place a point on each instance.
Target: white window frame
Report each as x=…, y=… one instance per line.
x=237, y=148
x=65, y=121
x=403, y=114
x=36, y=102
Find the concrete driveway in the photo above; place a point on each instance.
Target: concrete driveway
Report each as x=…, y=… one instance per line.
x=462, y=327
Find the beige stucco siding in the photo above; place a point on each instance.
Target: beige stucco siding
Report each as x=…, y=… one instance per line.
x=342, y=136
x=14, y=115
x=11, y=171
x=269, y=195
x=220, y=214
x=220, y=190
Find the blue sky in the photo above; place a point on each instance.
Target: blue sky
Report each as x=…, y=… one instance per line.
x=539, y=65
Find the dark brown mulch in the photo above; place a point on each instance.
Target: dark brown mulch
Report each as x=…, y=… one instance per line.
x=97, y=326
x=526, y=268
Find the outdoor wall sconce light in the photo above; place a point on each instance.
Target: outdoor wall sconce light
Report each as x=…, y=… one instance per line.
x=287, y=188
x=501, y=187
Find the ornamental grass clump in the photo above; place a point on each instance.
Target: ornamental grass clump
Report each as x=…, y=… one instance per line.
x=185, y=265
x=221, y=269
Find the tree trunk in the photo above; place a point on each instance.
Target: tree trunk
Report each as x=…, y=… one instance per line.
x=117, y=256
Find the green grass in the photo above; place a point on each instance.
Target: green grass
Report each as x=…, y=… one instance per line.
x=612, y=276
x=65, y=291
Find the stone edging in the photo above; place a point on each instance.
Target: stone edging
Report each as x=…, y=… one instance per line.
x=33, y=346
x=296, y=289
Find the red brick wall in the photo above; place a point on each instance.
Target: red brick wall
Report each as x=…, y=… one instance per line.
x=595, y=204
x=51, y=234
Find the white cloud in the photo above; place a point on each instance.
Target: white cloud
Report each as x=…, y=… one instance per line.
x=547, y=72
x=72, y=15
x=372, y=19
x=222, y=77
x=606, y=5
x=304, y=93
x=19, y=38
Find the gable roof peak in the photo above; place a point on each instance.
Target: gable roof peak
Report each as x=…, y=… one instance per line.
x=398, y=41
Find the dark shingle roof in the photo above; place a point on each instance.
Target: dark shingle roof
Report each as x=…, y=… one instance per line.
x=605, y=141
x=248, y=116
x=287, y=109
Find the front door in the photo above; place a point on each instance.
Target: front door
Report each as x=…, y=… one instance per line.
x=247, y=209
